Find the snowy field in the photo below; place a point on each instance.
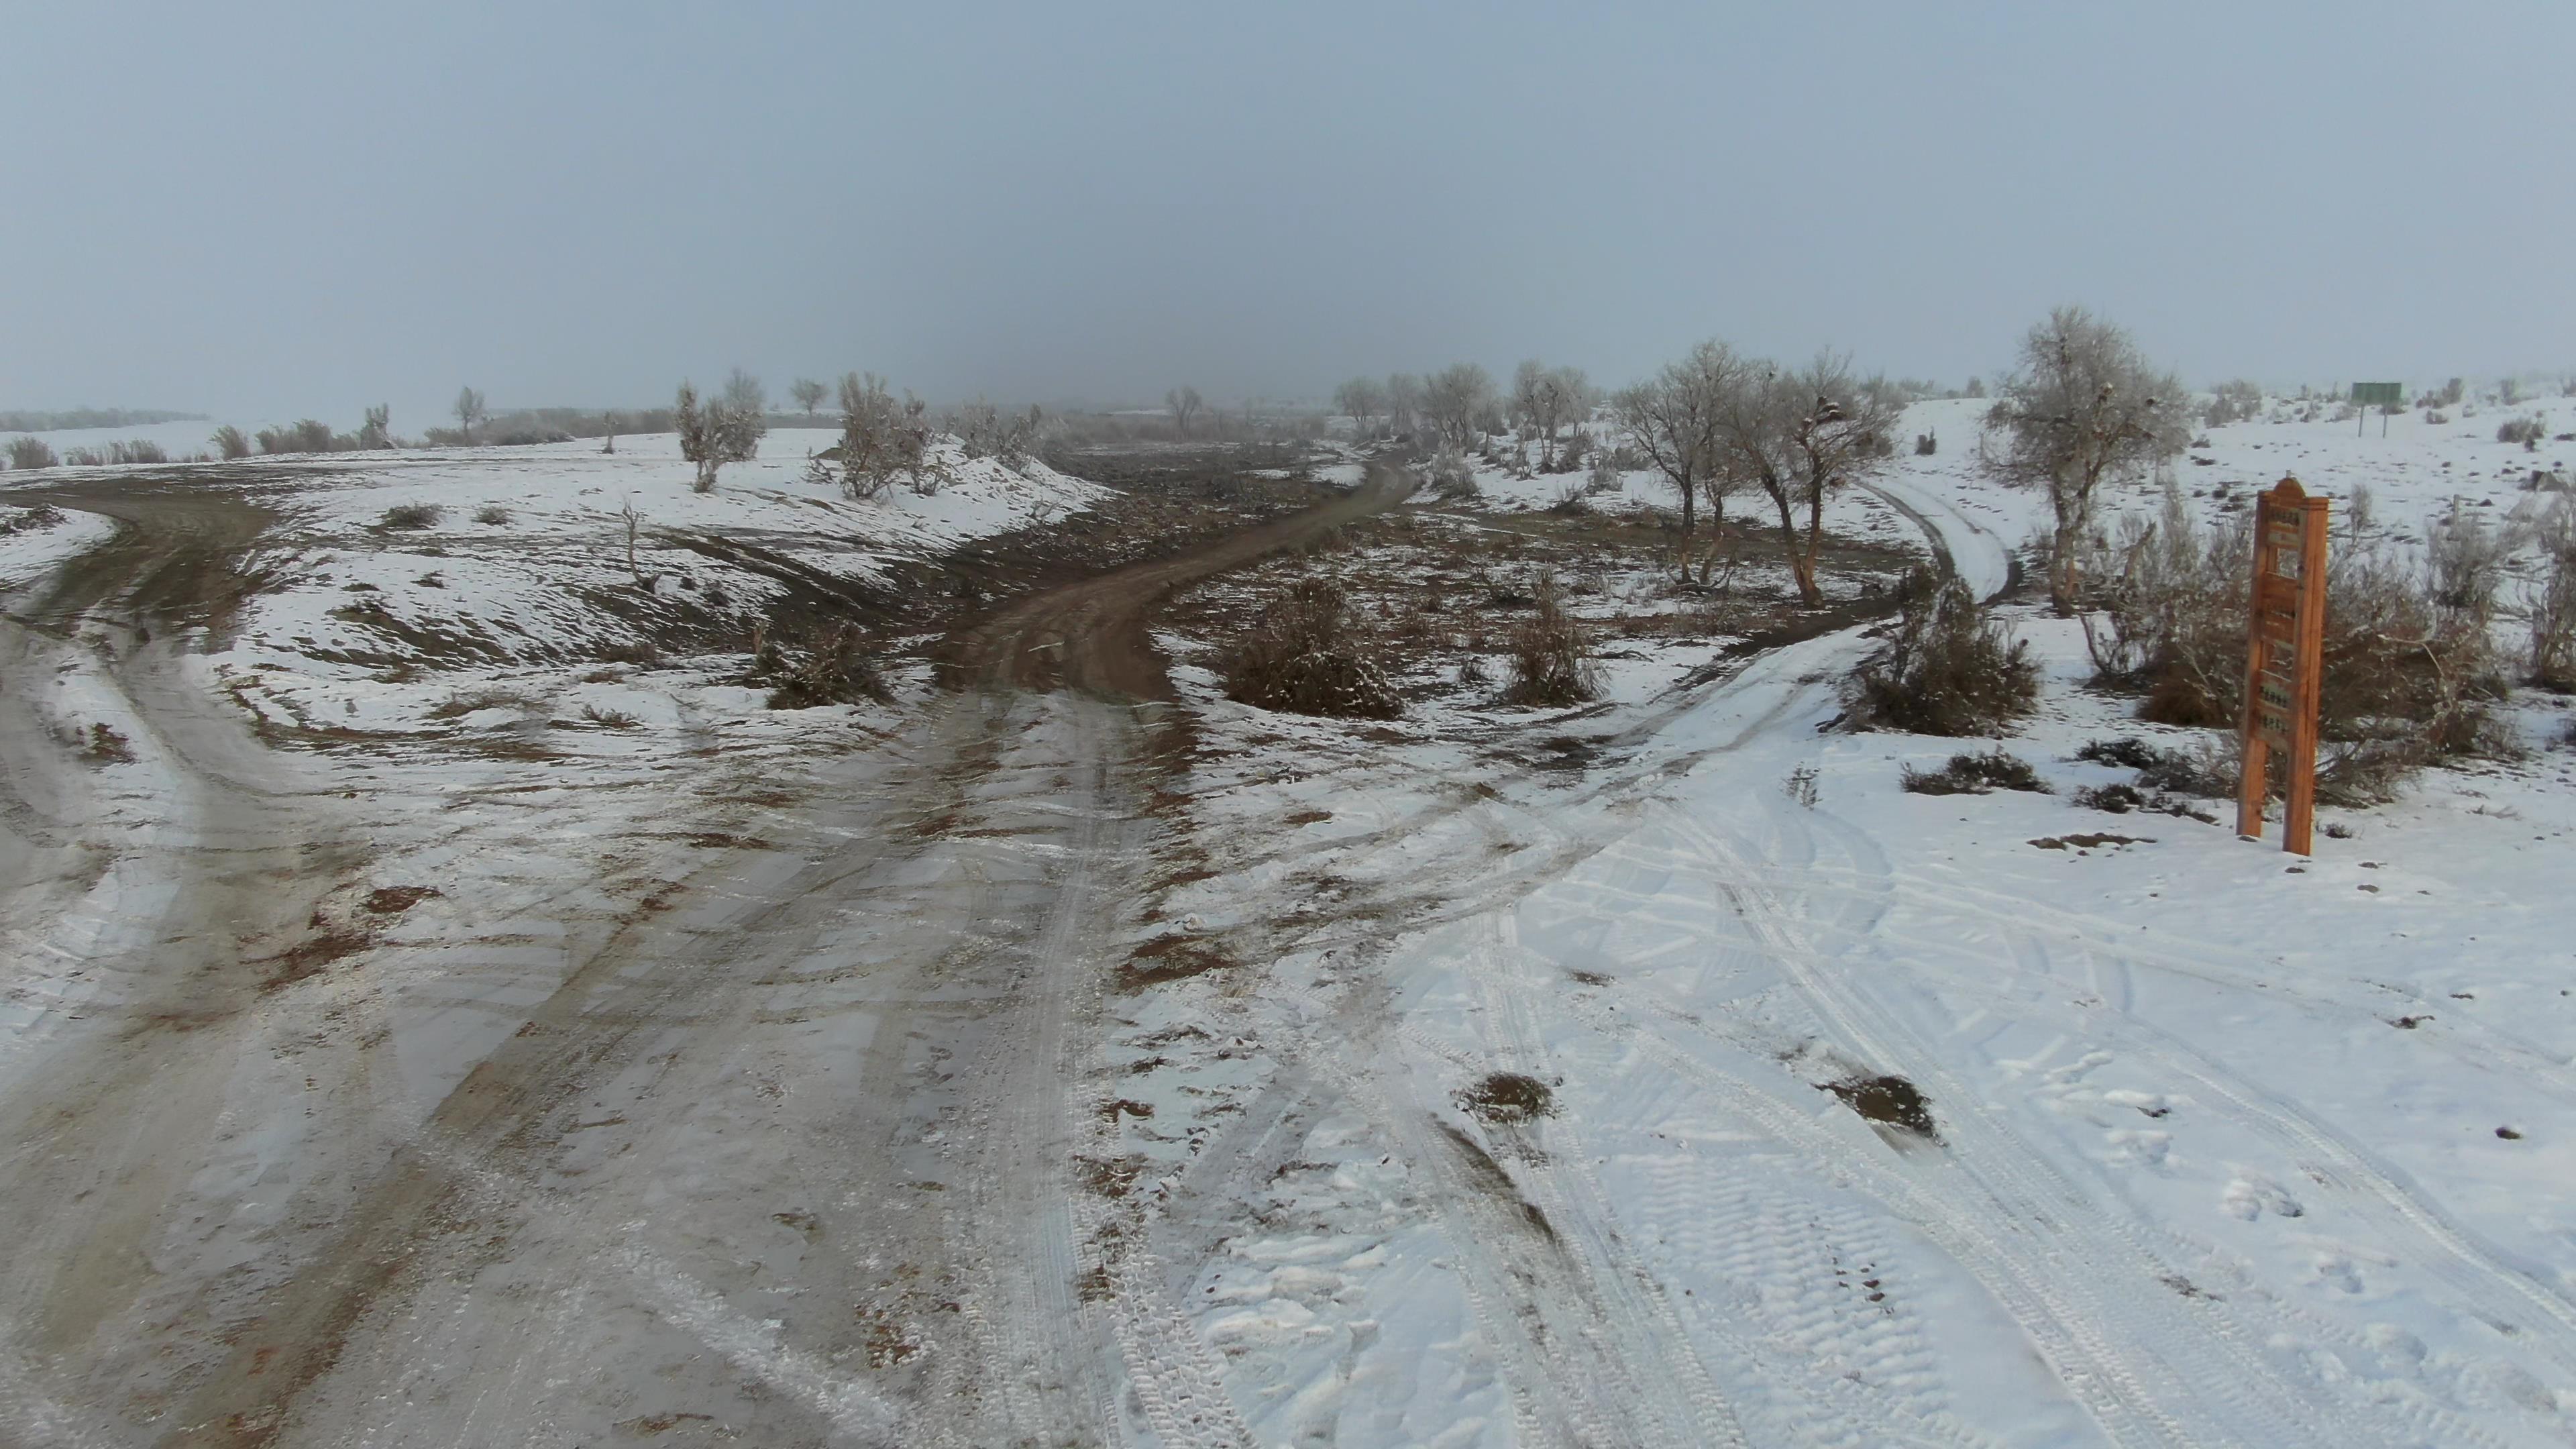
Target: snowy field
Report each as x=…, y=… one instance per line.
x=2225, y=1146
x=1657, y=1072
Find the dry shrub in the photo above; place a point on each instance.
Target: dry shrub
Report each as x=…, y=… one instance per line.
x=836, y=670
x=1453, y=478
x=2550, y=604
x=1976, y=775
x=1311, y=654
x=411, y=515
x=30, y=453
x=1551, y=652
x=2411, y=666
x=2208, y=771
x=1948, y=669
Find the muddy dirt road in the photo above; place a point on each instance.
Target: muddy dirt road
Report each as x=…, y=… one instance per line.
x=786, y=1157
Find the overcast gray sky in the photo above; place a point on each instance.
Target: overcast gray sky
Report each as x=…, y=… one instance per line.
x=259, y=208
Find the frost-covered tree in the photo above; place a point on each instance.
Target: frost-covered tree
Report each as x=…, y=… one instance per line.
x=1456, y=400
x=469, y=411
x=1185, y=403
x=808, y=393
x=2084, y=405
x=1363, y=398
x=1557, y=397
x=378, y=429
x=1403, y=403
x=724, y=429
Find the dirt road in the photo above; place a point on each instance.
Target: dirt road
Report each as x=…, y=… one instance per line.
x=787, y=1158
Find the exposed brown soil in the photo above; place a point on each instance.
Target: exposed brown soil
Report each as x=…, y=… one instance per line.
x=1890, y=1101
x=1508, y=1097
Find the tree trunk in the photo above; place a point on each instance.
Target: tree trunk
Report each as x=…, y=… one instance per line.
x=2061, y=573
x=1803, y=566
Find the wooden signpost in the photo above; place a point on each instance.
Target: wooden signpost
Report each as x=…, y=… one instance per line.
x=2284, y=661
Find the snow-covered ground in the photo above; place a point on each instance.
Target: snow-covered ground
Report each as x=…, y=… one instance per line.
x=1417, y=1084
x=2232, y=1147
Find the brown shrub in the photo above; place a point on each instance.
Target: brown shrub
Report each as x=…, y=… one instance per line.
x=2410, y=663
x=836, y=670
x=1947, y=670
x=1551, y=652
x=1311, y=654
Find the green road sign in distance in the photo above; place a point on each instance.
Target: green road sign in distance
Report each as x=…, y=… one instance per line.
x=2378, y=394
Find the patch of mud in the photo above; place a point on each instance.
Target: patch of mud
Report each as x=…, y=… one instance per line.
x=1171, y=958
x=1889, y=1101
x=394, y=900
x=310, y=956
x=1507, y=1097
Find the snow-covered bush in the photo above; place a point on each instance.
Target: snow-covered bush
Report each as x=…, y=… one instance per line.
x=1311, y=654
x=2234, y=401
x=880, y=437
x=724, y=429
x=2526, y=430
x=1947, y=670
x=2550, y=605
x=984, y=432
x=1605, y=476
x=1453, y=477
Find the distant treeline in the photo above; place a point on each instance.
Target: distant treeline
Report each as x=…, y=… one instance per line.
x=523, y=427
x=35, y=422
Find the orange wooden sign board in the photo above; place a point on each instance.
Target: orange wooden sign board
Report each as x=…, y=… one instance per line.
x=2284, y=662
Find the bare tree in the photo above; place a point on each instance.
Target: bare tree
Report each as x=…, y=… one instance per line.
x=1185, y=403
x=1456, y=400
x=1363, y=398
x=1674, y=419
x=1799, y=437
x=2082, y=406
x=469, y=411
x=378, y=430
x=1403, y=403
x=726, y=429
x=635, y=524
x=808, y=394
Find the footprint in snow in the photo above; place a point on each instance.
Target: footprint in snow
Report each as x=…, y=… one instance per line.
x=2250, y=1196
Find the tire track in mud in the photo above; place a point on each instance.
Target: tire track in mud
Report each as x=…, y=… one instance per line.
x=662, y=1003
x=101, y=1120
